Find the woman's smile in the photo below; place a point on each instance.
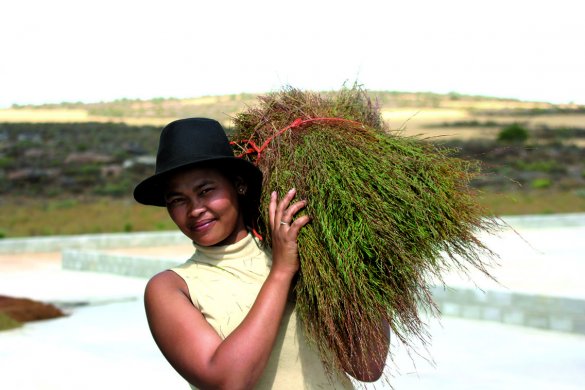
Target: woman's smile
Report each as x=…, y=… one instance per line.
x=202, y=225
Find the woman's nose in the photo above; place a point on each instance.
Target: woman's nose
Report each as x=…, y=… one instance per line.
x=196, y=209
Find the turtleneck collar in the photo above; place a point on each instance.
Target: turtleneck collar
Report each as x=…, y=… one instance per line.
x=246, y=247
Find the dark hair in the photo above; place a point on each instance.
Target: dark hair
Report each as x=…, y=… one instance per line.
x=249, y=202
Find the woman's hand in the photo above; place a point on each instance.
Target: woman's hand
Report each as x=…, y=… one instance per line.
x=285, y=231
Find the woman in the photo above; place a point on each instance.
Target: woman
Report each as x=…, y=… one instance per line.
x=223, y=319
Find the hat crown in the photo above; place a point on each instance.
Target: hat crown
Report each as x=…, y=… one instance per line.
x=191, y=140
x=186, y=143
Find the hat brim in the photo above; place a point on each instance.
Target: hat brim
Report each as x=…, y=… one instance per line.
x=151, y=191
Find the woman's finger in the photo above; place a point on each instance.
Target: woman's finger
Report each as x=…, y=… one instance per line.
x=298, y=224
x=283, y=205
x=292, y=210
x=272, y=209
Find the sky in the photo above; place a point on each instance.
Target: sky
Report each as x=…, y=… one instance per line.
x=90, y=51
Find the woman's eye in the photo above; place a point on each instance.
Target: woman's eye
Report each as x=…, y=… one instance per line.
x=174, y=202
x=206, y=191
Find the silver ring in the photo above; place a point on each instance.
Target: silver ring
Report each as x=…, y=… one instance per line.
x=283, y=223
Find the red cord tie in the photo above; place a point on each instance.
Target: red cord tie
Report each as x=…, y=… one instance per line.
x=251, y=146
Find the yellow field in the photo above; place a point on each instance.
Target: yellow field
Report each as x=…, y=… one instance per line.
x=412, y=121
x=414, y=114
x=43, y=115
x=410, y=113
x=70, y=115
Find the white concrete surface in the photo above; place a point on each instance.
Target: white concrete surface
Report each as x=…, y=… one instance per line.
x=109, y=347
x=485, y=355
x=105, y=343
x=533, y=260
x=98, y=347
x=90, y=241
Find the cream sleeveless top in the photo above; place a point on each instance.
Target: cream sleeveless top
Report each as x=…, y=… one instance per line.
x=223, y=284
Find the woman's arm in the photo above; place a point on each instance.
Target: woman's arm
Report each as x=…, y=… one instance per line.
x=193, y=347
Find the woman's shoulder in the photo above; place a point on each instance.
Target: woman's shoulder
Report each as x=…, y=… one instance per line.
x=165, y=282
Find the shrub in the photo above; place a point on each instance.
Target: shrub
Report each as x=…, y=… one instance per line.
x=541, y=183
x=513, y=133
x=61, y=204
x=540, y=166
x=6, y=162
x=161, y=226
x=114, y=189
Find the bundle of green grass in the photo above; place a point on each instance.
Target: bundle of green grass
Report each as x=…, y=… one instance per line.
x=389, y=215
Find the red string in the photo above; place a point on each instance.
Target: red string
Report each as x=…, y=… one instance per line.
x=253, y=148
x=257, y=235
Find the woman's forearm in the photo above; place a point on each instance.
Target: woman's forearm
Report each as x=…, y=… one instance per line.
x=245, y=352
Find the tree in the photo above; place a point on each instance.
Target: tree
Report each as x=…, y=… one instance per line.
x=514, y=132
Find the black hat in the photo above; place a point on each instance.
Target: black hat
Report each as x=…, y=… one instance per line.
x=188, y=142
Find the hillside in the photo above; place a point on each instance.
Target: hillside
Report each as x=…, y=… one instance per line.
x=395, y=106
x=83, y=152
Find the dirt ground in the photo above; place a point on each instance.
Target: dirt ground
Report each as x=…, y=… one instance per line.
x=23, y=309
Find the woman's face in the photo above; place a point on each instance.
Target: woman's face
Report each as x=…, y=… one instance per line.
x=204, y=205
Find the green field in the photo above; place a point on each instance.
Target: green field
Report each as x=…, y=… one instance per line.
x=31, y=217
